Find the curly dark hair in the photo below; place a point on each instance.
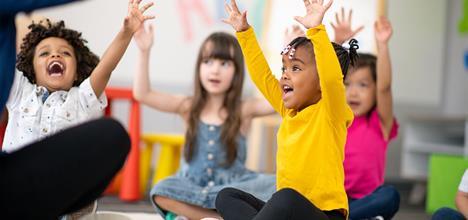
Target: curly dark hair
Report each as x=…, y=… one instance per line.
x=86, y=60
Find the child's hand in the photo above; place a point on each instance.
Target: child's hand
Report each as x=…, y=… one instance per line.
x=343, y=31
x=292, y=33
x=144, y=37
x=383, y=30
x=135, y=17
x=236, y=19
x=315, y=10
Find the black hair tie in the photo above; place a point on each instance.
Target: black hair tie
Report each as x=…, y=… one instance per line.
x=353, y=44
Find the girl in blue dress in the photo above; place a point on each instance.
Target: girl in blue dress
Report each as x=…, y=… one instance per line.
x=217, y=121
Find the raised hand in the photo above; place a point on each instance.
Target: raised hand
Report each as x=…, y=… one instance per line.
x=135, y=17
x=292, y=33
x=315, y=10
x=144, y=37
x=342, y=28
x=383, y=30
x=236, y=19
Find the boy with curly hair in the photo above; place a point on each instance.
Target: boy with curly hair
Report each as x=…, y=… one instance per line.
x=62, y=82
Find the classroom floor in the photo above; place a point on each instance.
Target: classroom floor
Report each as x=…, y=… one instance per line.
x=143, y=209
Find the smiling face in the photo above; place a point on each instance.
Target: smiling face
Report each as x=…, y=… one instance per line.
x=54, y=64
x=299, y=81
x=360, y=91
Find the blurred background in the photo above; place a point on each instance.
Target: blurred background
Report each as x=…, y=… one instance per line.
x=429, y=52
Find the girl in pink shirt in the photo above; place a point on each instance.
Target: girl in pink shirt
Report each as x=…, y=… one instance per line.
x=368, y=91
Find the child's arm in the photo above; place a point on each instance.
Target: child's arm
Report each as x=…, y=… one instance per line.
x=328, y=66
x=135, y=18
x=461, y=201
x=257, y=107
x=383, y=32
x=256, y=63
x=342, y=28
x=141, y=84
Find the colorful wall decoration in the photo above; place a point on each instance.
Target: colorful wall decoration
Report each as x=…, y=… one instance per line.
x=212, y=12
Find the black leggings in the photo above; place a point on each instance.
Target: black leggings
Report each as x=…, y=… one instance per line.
x=233, y=204
x=61, y=173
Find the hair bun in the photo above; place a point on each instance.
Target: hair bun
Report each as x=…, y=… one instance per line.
x=353, y=47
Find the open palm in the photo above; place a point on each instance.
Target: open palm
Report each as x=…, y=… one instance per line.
x=342, y=28
x=315, y=10
x=144, y=37
x=236, y=19
x=383, y=30
x=135, y=17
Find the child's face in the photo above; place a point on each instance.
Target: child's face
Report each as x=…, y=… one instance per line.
x=55, y=64
x=360, y=91
x=216, y=75
x=299, y=81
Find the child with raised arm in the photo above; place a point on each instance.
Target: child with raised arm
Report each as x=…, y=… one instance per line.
x=369, y=94
x=62, y=82
x=217, y=121
x=311, y=98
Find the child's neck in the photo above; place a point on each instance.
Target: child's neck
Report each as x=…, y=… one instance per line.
x=214, y=103
x=213, y=112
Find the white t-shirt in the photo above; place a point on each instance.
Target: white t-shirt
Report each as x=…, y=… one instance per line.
x=30, y=119
x=463, y=187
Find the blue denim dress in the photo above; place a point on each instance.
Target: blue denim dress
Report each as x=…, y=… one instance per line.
x=198, y=182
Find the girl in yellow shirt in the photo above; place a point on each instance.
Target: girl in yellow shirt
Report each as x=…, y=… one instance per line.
x=310, y=97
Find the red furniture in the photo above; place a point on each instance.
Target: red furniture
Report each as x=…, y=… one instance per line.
x=129, y=177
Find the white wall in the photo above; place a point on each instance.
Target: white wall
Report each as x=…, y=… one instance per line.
x=417, y=50
x=455, y=96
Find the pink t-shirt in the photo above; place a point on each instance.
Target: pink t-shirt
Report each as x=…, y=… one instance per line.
x=365, y=151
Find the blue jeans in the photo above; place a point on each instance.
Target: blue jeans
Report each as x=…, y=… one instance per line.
x=447, y=214
x=384, y=201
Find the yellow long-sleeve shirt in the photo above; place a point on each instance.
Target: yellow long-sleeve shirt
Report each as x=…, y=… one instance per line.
x=310, y=142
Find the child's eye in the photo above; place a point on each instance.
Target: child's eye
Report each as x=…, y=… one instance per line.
x=283, y=69
x=67, y=53
x=226, y=63
x=363, y=85
x=45, y=53
x=207, y=61
x=296, y=68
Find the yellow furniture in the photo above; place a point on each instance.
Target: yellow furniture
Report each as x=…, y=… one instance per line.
x=167, y=162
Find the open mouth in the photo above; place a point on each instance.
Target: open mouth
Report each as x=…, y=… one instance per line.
x=56, y=68
x=215, y=81
x=287, y=89
x=353, y=104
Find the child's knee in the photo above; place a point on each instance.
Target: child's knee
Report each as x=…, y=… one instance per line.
x=392, y=196
x=288, y=195
x=224, y=195
x=114, y=136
